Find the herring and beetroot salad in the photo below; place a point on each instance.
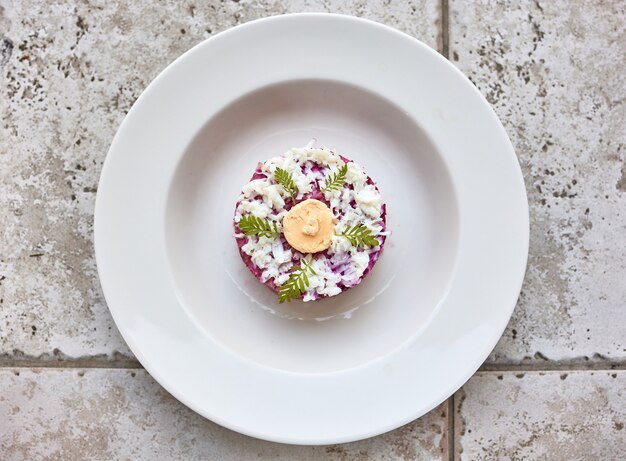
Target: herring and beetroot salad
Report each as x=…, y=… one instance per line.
x=310, y=224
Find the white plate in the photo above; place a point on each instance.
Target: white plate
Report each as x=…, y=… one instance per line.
x=362, y=363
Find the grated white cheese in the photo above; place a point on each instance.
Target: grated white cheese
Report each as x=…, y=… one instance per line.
x=355, y=175
x=368, y=199
x=259, y=250
x=265, y=198
x=321, y=156
x=254, y=208
x=289, y=164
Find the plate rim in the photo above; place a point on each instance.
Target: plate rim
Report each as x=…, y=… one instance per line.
x=100, y=251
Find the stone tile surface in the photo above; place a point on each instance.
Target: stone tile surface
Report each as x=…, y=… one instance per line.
x=575, y=416
x=125, y=415
x=554, y=73
x=70, y=72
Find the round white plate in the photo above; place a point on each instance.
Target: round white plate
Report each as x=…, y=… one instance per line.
x=359, y=364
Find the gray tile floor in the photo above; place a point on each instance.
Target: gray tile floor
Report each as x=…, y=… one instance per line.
x=554, y=387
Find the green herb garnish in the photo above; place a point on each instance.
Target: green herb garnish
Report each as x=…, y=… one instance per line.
x=284, y=178
x=360, y=236
x=297, y=283
x=336, y=180
x=252, y=225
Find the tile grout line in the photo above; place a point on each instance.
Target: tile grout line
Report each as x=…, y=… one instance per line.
x=547, y=366
x=451, y=434
x=445, y=51
x=554, y=366
x=445, y=29
x=74, y=363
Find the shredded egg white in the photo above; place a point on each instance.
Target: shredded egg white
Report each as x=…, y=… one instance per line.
x=265, y=198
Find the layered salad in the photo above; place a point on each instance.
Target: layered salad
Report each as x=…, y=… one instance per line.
x=310, y=224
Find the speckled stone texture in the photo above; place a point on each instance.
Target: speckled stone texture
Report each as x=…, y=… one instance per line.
x=568, y=416
x=125, y=415
x=554, y=73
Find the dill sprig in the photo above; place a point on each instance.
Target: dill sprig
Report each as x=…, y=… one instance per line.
x=297, y=283
x=360, y=236
x=252, y=225
x=285, y=179
x=336, y=180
